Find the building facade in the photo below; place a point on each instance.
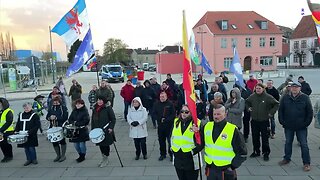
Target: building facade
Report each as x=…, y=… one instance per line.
x=257, y=39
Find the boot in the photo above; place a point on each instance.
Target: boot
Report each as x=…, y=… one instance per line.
x=63, y=152
x=104, y=161
x=57, y=150
x=81, y=158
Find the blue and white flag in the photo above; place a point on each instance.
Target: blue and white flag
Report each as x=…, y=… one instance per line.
x=83, y=54
x=73, y=24
x=205, y=64
x=236, y=68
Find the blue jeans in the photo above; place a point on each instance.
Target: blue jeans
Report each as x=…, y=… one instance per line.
x=80, y=147
x=302, y=135
x=273, y=125
x=30, y=153
x=126, y=107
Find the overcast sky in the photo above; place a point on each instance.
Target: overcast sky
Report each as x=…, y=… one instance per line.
x=139, y=23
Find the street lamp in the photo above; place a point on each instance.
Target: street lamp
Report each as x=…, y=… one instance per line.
x=160, y=47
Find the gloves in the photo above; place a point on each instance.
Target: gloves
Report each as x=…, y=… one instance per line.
x=135, y=123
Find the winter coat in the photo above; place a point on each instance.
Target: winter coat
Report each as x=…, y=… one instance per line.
x=140, y=115
x=51, y=96
x=164, y=113
x=148, y=98
x=156, y=87
x=61, y=112
x=9, y=116
x=305, y=88
x=316, y=114
x=211, y=96
x=171, y=83
x=201, y=88
x=106, y=92
x=101, y=119
x=273, y=92
x=92, y=98
x=80, y=117
x=295, y=113
x=251, y=83
x=32, y=127
x=263, y=106
x=235, y=110
x=138, y=92
x=127, y=92
x=75, y=92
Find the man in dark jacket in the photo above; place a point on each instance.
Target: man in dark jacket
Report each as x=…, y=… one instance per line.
x=275, y=94
x=262, y=106
x=295, y=115
x=6, y=129
x=164, y=113
x=106, y=91
x=170, y=81
x=305, y=87
x=75, y=90
x=155, y=85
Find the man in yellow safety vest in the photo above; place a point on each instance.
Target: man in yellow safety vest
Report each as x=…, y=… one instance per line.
x=224, y=147
x=6, y=129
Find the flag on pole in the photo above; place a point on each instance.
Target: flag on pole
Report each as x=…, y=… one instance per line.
x=73, y=24
x=193, y=51
x=83, y=54
x=91, y=62
x=236, y=68
x=188, y=85
x=205, y=64
x=315, y=10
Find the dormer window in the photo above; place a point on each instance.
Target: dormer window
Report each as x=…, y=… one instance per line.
x=224, y=25
x=250, y=26
x=234, y=26
x=264, y=25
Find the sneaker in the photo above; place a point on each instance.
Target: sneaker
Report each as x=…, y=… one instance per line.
x=266, y=157
x=6, y=159
x=254, y=154
x=283, y=162
x=27, y=163
x=306, y=167
x=162, y=157
x=273, y=136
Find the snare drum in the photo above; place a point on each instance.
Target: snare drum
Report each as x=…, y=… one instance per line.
x=18, y=138
x=96, y=135
x=55, y=134
x=70, y=131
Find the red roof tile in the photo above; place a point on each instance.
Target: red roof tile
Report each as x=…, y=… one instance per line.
x=239, y=18
x=305, y=28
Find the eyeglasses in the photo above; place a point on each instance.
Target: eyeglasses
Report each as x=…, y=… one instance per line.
x=184, y=111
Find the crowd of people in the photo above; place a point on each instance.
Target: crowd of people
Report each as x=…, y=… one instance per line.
x=221, y=119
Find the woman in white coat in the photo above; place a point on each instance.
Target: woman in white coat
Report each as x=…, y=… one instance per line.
x=137, y=119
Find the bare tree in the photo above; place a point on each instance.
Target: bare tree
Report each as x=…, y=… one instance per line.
x=7, y=46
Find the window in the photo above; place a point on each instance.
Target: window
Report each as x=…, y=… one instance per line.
x=250, y=26
x=224, y=25
x=296, y=45
x=227, y=62
x=295, y=59
x=223, y=42
x=248, y=42
x=304, y=44
x=266, y=60
x=272, y=42
x=282, y=59
x=234, y=26
x=264, y=25
x=262, y=42
x=234, y=42
x=304, y=57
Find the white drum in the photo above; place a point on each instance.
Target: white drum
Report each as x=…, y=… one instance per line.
x=18, y=138
x=96, y=135
x=55, y=134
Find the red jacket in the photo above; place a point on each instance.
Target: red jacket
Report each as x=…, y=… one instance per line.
x=127, y=92
x=251, y=84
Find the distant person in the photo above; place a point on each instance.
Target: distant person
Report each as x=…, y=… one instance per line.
x=92, y=98
x=7, y=129
x=222, y=87
x=295, y=115
x=54, y=93
x=235, y=106
x=75, y=91
x=316, y=114
x=285, y=84
x=38, y=107
x=224, y=77
x=252, y=82
x=137, y=119
x=127, y=93
x=155, y=86
x=61, y=86
x=204, y=82
x=170, y=81
x=149, y=96
x=106, y=91
x=138, y=90
x=305, y=87
x=275, y=94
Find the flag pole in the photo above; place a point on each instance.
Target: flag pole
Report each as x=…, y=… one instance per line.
x=52, y=60
x=97, y=70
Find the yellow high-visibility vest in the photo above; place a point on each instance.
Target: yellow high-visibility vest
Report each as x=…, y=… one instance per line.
x=183, y=141
x=221, y=152
x=4, y=119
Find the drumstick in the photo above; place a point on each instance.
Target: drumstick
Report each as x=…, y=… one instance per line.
x=106, y=125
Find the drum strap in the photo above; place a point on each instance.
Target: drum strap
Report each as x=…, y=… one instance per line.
x=25, y=120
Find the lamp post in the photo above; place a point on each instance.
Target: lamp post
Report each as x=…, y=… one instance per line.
x=201, y=32
x=160, y=47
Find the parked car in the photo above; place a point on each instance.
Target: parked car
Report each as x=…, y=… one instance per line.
x=152, y=67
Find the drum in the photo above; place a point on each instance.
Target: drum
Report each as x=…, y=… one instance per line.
x=70, y=131
x=55, y=134
x=96, y=135
x=18, y=138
